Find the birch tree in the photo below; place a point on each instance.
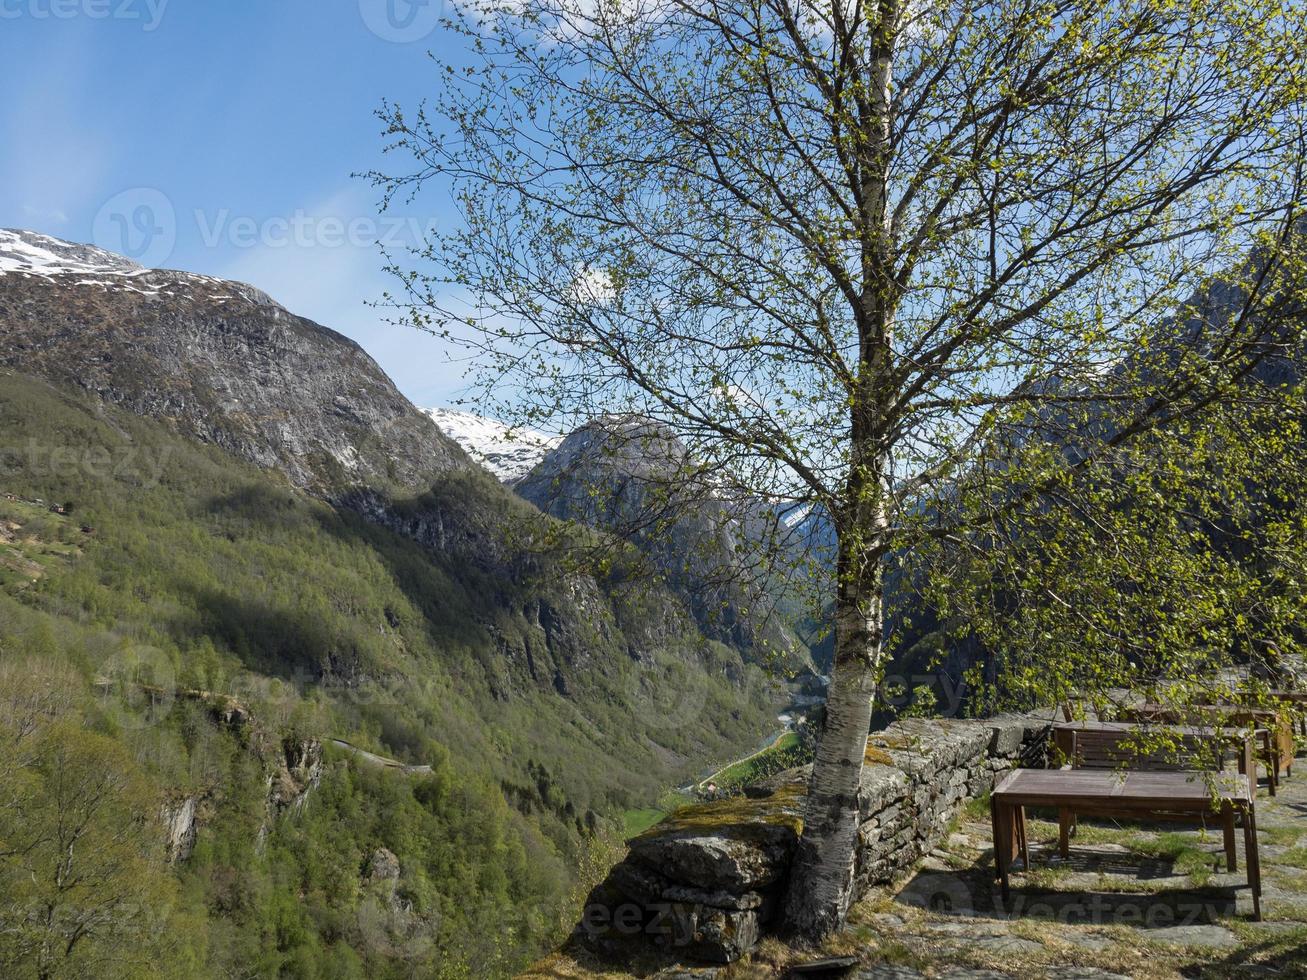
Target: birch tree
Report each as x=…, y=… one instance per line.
x=841, y=247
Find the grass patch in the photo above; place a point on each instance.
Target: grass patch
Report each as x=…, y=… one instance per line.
x=1283, y=836
x=781, y=754
x=891, y=952
x=34, y=541
x=976, y=808
x=1180, y=850
x=1294, y=857
x=636, y=822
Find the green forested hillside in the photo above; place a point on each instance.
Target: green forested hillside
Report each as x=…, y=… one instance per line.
x=177, y=564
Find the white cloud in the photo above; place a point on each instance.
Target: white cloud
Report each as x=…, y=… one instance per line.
x=592, y=287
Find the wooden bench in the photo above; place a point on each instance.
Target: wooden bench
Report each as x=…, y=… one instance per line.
x=1274, y=729
x=1140, y=795
x=1295, y=701
x=1117, y=745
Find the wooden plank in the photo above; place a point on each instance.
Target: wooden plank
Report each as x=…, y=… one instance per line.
x=1036, y=787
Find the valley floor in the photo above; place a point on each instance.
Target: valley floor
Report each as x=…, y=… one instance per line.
x=1152, y=904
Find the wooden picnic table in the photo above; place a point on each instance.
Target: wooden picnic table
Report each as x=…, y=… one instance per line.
x=1296, y=699
x=1142, y=795
x=1243, y=740
x=1278, y=746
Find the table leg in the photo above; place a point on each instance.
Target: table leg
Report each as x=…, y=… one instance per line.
x=1227, y=828
x=1272, y=763
x=1001, y=816
x=1025, y=842
x=1253, y=857
x=997, y=832
x=1064, y=832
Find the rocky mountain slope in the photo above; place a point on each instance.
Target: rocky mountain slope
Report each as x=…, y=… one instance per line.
x=226, y=364
x=222, y=363
x=269, y=513
x=220, y=360
x=633, y=478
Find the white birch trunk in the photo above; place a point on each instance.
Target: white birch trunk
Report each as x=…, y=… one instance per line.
x=822, y=876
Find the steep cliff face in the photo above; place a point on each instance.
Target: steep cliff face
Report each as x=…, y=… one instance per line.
x=633, y=478
x=220, y=360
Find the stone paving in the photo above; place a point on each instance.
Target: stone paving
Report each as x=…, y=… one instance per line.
x=1130, y=901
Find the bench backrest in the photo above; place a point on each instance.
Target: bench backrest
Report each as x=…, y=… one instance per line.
x=1092, y=749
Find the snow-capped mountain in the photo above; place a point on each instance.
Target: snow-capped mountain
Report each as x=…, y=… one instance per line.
x=30, y=254
x=218, y=360
x=508, y=453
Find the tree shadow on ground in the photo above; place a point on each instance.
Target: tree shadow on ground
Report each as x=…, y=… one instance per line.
x=1270, y=957
x=971, y=893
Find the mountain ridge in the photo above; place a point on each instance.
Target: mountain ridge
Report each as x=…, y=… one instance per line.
x=310, y=407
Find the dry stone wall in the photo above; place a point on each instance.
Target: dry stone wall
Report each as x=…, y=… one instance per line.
x=708, y=880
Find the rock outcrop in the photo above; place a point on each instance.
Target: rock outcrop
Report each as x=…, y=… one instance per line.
x=292, y=768
x=179, y=827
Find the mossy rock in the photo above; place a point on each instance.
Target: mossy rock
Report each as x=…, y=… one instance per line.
x=877, y=756
x=739, y=816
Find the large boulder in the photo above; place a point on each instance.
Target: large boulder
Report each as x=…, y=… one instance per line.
x=704, y=882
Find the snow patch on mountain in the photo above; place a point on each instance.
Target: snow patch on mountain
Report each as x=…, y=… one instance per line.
x=508, y=453
x=31, y=253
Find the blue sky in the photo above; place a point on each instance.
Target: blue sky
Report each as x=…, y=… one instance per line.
x=219, y=136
